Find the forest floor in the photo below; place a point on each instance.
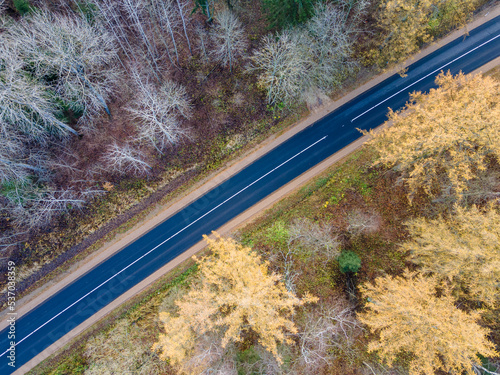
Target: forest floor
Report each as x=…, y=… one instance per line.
x=348, y=186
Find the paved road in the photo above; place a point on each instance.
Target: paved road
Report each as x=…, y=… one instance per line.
x=78, y=301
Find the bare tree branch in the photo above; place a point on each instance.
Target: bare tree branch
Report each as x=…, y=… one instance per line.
x=25, y=105
x=281, y=64
x=124, y=159
x=229, y=39
x=159, y=112
x=82, y=58
x=33, y=206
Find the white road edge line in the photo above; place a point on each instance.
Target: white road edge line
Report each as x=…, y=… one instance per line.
x=168, y=239
x=431, y=73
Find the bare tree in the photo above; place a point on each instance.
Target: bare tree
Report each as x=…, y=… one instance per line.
x=317, y=55
x=14, y=164
x=170, y=15
x=182, y=6
x=361, y=222
x=134, y=9
x=288, y=270
x=209, y=357
x=125, y=159
x=203, y=38
x=164, y=11
x=304, y=236
x=82, y=58
x=10, y=239
x=329, y=41
x=229, y=39
x=353, y=10
x=159, y=112
x=314, y=238
x=326, y=328
x=267, y=363
x=33, y=205
x=25, y=105
x=154, y=22
x=480, y=370
x=110, y=17
x=281, y=64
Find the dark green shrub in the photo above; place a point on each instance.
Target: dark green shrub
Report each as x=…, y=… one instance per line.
x=22, y=6
x=349, y=261
x=282, y=13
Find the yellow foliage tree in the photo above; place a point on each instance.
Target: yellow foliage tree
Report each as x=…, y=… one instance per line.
x=236, y=296
x=465, y=250
x=443, y=138
x=407, y=24
x=409, y=317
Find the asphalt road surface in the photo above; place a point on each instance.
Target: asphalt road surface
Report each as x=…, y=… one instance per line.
x=78, y=301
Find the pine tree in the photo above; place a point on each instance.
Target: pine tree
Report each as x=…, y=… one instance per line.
x=282, y=13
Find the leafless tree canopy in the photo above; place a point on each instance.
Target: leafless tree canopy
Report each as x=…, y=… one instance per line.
x=330, y=39
x=228, y=38
x=17, y=163
x=282, y=64
x=11, y=154
x=25, y=104
x=33, y=205
x=124, y=159
x=314, y=56
x=81, y=57
x=319, y=240
x=122, y=351
x=159, y=112
x=62, y=62
x=326, y=329
x=209, y=357
x=305, y=237
x=360, y=222
x=156, y=23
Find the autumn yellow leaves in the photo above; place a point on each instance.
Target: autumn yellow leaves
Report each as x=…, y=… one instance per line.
x=410, y=317
x=418, y=314
x=406, y=24
x=444, y=140
x=443, y=146
x=235, y=297
x=463, y=251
